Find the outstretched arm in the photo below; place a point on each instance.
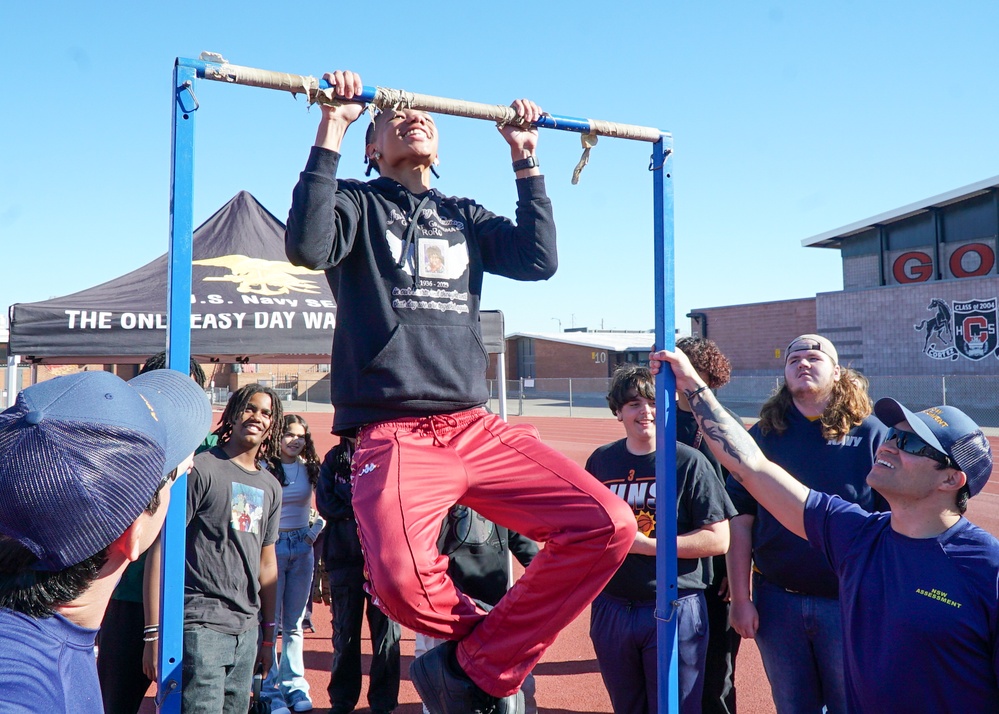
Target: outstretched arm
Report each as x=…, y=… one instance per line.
x=773, y=487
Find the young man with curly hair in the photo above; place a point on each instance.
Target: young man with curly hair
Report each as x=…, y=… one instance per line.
x=818, y=427
x=723, y=641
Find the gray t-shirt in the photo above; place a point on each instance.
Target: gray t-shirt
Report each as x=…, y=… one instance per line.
x=232, y=513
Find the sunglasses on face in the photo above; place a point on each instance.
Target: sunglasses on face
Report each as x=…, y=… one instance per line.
x=910, y=443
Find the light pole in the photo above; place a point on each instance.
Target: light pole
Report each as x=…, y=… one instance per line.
x=559, y=323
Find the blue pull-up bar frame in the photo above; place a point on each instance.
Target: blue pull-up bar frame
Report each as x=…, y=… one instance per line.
x=185, y=105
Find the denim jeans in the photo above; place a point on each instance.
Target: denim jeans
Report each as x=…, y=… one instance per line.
x=218, y=670
x=801, y=644
x=294, y=588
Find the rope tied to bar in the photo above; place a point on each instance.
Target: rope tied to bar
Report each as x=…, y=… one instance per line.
x=588, y=141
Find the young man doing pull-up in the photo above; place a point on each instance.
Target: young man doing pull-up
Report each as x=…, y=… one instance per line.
x=408, y=383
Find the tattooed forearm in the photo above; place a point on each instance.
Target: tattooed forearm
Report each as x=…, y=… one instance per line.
x=719, y=427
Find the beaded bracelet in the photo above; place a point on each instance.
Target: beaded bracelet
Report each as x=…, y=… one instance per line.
x=267, y=643
x=150, y=638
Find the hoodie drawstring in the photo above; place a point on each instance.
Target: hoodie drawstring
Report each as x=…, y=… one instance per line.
x=407, y=241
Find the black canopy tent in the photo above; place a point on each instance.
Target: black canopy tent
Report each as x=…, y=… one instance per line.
x=248, y=304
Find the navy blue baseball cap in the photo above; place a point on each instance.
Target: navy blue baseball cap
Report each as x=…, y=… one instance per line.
x=949, y=430
x=81, y=457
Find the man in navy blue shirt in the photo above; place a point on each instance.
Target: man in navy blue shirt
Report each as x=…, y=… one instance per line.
x=819, y=428
x=919, y=585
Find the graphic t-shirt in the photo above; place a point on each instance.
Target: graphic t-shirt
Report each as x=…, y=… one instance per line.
x=232, y=513
x=919, y=614
x=700, y=500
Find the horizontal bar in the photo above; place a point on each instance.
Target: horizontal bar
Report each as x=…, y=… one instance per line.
x=215, y=68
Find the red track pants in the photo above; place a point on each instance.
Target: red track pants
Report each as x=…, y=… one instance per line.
x=408, y=472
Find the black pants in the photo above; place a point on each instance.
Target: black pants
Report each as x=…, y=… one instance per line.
x=348, y=602
x=723, y=646
x=119, y=661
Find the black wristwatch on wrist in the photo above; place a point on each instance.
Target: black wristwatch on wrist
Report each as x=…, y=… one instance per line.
x=523, y=164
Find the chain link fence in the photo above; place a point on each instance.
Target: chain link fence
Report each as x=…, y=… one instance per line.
x=976, y=396
x=586, y=397
x=297, y=393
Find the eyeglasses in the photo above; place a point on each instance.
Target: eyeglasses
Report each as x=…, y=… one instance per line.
x=910, y=443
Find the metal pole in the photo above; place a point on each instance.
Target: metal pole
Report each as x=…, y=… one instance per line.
x=214, y=67
x=943, y=390
x=12, y=385
x=501, y=383
x=666, y=588
x=185, y=104
x=570, y=396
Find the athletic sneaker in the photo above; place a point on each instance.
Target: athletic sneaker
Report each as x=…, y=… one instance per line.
x=299, y=701
x=445, y=691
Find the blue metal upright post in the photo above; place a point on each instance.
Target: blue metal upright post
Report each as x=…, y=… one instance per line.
x=666, y=589
x=185, y=104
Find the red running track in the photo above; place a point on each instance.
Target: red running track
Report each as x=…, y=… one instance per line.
x=568, y=681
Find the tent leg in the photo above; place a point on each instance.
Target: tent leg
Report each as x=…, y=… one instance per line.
x=11, y=388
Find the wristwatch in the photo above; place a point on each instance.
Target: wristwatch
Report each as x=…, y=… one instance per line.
x=523, y=164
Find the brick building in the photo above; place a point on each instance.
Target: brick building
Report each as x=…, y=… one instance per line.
x=574, y=353
x=920, y=295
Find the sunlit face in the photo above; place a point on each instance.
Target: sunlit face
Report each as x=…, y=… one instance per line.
x=898, y=474
x=638, y=415
x=403, y=137
x=254, y=424
x=293, y=441
x=810, y=373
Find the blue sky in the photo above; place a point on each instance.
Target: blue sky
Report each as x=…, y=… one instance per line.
x=789, y=119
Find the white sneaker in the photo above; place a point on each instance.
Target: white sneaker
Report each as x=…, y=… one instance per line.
x=299, y=701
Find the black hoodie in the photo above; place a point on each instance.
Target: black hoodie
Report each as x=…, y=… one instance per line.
x=407, y=341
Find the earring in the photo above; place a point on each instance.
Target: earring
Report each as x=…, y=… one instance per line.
x=377, y=155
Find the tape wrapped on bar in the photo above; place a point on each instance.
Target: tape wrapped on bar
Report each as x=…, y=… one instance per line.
x=266, y=79
x=397, y=98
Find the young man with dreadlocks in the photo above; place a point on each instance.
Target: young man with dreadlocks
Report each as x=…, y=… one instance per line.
x=408, y=383
x=230, y=585
x=819, y=428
